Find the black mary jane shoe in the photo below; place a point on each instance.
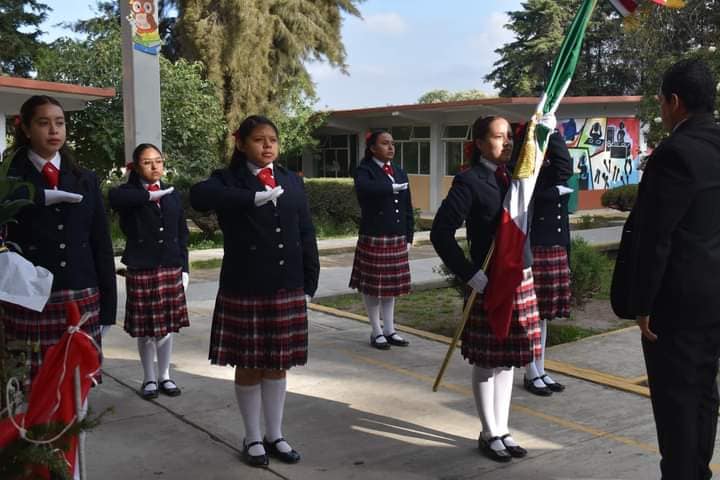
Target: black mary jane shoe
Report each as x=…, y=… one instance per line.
x=254, y=460
x=396, y=342
x=172, y=390
x=502, y=456
x=149, y=394
x=379, y=345
x=514, y=451
x=555, y=387
x=287, y=457
x=541, y=391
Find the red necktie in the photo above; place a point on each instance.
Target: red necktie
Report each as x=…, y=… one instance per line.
x=387, y=168
x=502, y=176
x=266, y=177
x=51, y=175
x=154, y=188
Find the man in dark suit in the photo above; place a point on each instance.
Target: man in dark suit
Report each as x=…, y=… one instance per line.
x=675, y=267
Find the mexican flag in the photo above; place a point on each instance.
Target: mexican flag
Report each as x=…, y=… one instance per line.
x=506, y=270
x=628, y=7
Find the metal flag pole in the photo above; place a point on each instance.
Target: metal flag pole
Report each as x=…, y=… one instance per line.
x=79, y=415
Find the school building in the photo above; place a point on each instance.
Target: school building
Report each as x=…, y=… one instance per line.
x=603, y=133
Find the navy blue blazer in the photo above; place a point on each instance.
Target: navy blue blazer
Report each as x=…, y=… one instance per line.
x=72, y=240
x=381, y=211
x=156, y=237
x=550, y=221
x=475, y=198
x=267, y=248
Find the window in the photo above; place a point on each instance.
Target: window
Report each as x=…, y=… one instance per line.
x=337, y=156
x=454, y=138
x=412, y=148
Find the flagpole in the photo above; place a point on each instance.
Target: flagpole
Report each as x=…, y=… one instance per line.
x=465, y=316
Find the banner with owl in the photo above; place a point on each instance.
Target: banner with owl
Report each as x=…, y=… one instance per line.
x=144, y=22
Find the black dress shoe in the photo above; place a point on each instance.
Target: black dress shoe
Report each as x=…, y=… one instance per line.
x=254, y=460
x=502, y=456
x=379, y=345
x=395, y=340
x=169, y=388
x=541, y=391
x=555, y=387
x=514, y=451
x=149, y=394
x=288, y=457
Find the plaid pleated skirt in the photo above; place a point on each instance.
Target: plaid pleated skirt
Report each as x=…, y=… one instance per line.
x=551, y=275
x=481, y=347
x=155, y=303
x=260, y=331
x=381, y=267
x=42, y=330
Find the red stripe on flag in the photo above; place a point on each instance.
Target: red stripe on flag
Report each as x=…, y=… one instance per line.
x=506, y=274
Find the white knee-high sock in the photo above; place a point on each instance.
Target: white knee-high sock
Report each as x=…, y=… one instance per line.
x=146, y=348
x=503, y=395
x=483, y=383
x=540, y=362
x=249, y=398
x=273, y=397
x=387, y=305
x=372, y=304
x=164, y=352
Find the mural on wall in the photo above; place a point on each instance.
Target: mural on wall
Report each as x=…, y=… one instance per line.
x=144, y=24
x=605, y=151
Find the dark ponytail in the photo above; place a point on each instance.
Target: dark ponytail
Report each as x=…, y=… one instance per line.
x=243, y=132
x=371, y=140
x=21, y=142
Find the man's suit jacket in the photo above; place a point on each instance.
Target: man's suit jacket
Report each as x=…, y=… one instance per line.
x=673, y=270
x=267, y=248
x=156, y=237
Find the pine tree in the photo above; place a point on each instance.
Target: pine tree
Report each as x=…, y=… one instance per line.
x=255, y=50
x=19, y=48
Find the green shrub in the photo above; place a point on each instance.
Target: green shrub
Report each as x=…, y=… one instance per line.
x=620, y=198
x=333, y=205
x=591, y=271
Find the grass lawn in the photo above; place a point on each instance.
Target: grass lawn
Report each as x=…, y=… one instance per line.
x=438, y=311
x=206, y=264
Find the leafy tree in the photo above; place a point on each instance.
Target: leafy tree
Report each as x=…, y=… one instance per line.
x=191, y=113
x=20, y=46
x=255, y=50
x=297, y=123
x=439, y=96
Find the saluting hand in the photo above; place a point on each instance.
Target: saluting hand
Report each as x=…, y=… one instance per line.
x=398, y=187
x=158, y=194
x=644, y=324
x=261, y=198
x=60, y=196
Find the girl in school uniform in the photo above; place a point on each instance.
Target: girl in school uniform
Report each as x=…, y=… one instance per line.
x=381, y=270
x=65, y=230
x=476, y=198
x=550, y=240
x=270, y=265
x=151, y=217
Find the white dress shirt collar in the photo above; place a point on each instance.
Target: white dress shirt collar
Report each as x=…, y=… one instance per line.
x=40, y=162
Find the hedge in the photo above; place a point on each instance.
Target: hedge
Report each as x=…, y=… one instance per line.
x=333, y=205
x=620, y=198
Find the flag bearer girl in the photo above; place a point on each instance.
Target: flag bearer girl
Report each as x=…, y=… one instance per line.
x=476, y=198
x=381, y=270
x=271, y=263
x=151, y=217
x=65, y=230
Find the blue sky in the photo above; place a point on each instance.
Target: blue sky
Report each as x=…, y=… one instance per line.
x=398, y=51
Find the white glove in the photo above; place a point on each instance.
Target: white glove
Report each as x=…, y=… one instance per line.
x=185, y=280
x=261, y=198
x=478, y=282
x=549, y=120
x=409, y=246
x=104, y=330
x=307, y=299
x=158, y=194
x=398, y=187
x=60, y=196
x=563, y=190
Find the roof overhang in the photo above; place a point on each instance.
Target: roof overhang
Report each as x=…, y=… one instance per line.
x=14, y=91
